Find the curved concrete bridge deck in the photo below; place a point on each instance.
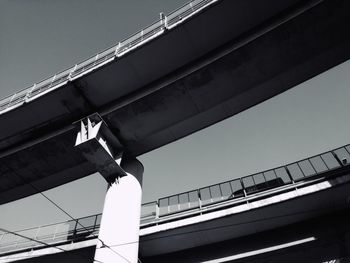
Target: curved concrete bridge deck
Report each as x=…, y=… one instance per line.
x=202, y=63
x=280, y=199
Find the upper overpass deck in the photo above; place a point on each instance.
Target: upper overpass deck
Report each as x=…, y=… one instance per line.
x=200, y=64
x=293, y=182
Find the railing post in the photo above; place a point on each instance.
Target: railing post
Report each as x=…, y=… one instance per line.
x=29, y=92
x=324, y=162
x=199, y=200
x=288, y=173
x=11, y=99
x=188, y=198
x=243, y=188
x=291, y=178
x=157, y=210
x=301, y=170
x=36, y=235
x=93, y=231
x=54, y=234
x=163, y=20
x=222, y=198
x=17, y=243
x=313, y=167
x=96, y=58
x=52, y=80
x=117, y=48
x=231, y=195
x=211, y=196
x=75, y=230
x=337, y=158
x=168, y=205
x=70, y=73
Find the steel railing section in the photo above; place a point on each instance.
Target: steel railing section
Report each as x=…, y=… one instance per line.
x=194, y=202
x=140, y=37
x=148, y=33
x=303, y=170
x=69, y=231
x=185, y=11
x=259, y=182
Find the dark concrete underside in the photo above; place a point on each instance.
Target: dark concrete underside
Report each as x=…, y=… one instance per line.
x=332, y=233
x=215, y=65
x=332, y=241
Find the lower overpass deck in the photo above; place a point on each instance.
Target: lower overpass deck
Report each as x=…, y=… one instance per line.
x=312, y=188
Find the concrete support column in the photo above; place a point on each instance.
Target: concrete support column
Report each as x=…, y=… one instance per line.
x=120, y=222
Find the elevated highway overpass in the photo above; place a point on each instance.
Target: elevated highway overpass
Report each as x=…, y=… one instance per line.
x=194, y=67
x=278, y=215
x=204, y=62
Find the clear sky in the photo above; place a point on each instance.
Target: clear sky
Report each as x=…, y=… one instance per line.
x=41, y=37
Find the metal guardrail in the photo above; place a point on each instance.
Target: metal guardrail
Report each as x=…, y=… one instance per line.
x=108, y=55
x=69, y=231
x=186, y=10
x=191, y=202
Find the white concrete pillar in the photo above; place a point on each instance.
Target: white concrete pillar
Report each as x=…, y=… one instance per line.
x=120, y=222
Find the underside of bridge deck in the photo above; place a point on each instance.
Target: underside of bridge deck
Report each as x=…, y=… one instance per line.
x=220, y=62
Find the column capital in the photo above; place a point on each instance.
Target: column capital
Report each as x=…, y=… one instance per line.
x=100, y=146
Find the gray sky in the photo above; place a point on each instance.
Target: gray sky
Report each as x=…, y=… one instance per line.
x=41, y=37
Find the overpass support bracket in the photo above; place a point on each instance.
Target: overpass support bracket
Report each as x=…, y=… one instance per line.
x=100, y=147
